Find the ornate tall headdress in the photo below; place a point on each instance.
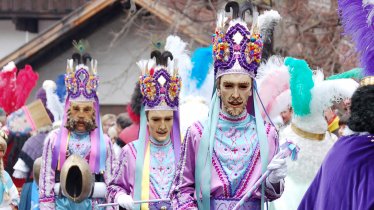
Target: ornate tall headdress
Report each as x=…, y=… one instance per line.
x=237, y=50
x=80, y=80
x=160, y=83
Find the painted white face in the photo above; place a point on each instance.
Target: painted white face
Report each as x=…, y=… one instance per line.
x=234, y=90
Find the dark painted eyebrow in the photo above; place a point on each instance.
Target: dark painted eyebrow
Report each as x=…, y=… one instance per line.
x=227, y=82
x=154, y=117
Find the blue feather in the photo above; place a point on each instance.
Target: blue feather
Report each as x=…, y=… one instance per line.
x=301, y=84
x=61, y=88
x=201, y=59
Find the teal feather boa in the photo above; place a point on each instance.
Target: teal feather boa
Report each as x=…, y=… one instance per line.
x=354, y=73
x=301, y=84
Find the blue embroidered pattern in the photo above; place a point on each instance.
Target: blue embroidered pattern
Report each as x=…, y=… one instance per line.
x=162, y=165
x=79, y=144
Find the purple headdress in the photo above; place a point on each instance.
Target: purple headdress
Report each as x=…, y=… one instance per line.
x=238, y=50
x=358, y=20
x=81, y=84
x=159, y=84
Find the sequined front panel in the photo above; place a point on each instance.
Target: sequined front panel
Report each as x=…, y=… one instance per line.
x=236, y=148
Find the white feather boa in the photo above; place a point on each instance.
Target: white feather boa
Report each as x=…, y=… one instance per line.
x=53, y=102
x=323, y=96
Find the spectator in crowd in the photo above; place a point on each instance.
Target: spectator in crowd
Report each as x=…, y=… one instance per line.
x=108, y=121
x=133, y=109
x=287, y=116
x=343, y=126
x=113, y=135
x=332, y=121
x=122, y=122
x=2, y=117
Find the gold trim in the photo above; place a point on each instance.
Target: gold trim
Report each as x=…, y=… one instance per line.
x=367, y=81
x=307, y=135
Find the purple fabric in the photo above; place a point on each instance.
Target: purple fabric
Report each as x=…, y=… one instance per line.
x=354, y=18
x=176, y=137
x=124, y=176
x=43, y=97
x=345, y=179
x=183, y=194
x=32, y=149
x=61, y=135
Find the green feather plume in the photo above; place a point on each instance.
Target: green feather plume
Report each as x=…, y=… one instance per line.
x=301, y=84
x=81, y=46
x=354, y=74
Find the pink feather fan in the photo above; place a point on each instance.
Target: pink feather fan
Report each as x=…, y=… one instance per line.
x=273, y=82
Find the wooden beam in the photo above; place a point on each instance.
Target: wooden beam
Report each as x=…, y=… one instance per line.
x=76, y=18
x=169, y=15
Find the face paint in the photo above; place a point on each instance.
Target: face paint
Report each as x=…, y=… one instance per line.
x=81, y=117
x=234, y=90
x=160, y=123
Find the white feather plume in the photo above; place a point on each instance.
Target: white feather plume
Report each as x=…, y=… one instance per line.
x=53, y=102
x=177, y=47
x=370, y=15
x=181, y=57
x=9, y=67
x=143, y=65
x=318, y=76
x=265, y=69
x=69, y=65
x=267, y=21
x=221, y=18
x=324, y=95
x=329, y=91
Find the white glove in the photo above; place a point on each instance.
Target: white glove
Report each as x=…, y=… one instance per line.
x=278, y=169
x=125, y=201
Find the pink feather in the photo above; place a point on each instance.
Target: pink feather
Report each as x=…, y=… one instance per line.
x=273, y=79
x=26, y=81
x=7, y=90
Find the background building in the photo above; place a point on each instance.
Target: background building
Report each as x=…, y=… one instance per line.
x=40, y=33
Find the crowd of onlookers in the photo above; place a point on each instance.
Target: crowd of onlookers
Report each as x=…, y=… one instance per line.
x=117, y=127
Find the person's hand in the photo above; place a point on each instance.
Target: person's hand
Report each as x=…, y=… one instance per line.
x=278, y=169
x=13, y=207
x=125, y=201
